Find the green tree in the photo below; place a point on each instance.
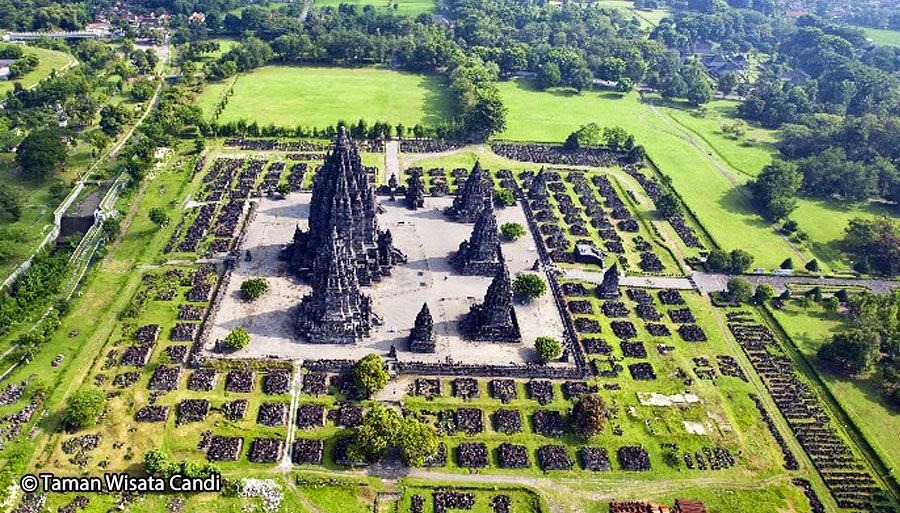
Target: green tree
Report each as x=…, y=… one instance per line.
x=512, y=231
x=853, y=352
x=812, y=266
x=10, y=203
x=588, y=415
x=253, y=288
x=41, y=153
x=529, y=286
x=764, y=292
x=775, y=189
x=740, y=289
x=237, y=339
x=159, y=217
x=113, y=118
x=548, y=348
x=505, y=197
x=370, y=374
x=416, y=441
x=84, y=408
x=667, y=205
x=788, y=263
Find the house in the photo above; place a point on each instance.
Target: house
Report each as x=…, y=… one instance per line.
x=196, y=17
x=4, y=68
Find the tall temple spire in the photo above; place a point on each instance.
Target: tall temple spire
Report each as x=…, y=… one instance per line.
x=609, y=287
x=336, y=312
x=481, y=253
x=538, y=188
x=421, y=337
x=471, y=196
x=343, y=200
x=494, y=320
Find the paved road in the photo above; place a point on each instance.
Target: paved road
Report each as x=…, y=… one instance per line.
x=655, y=282
x=392, y=160
x=714, y=282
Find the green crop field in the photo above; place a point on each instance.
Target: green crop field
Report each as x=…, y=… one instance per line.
x=723, y=210
x=49, y=61
x=648, y=17
x=809, y=327
x=319, y=97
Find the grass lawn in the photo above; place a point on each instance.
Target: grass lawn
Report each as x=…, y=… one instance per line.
x=551, y=116
x=310, y=96
x=879, y=423
x=883, y=37
x=49, y=60
x=408, y=7
x=648, y=17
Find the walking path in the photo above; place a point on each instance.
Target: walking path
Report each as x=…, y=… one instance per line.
x=296, y=385
x=392, y=160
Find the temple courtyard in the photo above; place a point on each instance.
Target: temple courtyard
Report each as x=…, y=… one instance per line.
x=427, y=237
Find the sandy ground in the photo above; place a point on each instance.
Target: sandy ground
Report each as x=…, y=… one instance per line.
x=427, y=238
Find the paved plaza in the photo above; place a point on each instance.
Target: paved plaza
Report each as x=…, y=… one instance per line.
x=427, y=237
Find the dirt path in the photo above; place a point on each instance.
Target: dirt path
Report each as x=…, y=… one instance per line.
x=392, y=161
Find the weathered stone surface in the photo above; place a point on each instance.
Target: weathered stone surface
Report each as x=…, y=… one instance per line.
x=480, y=255
x=415, y=190
x=494, y=320
x=421, y=338
x=472, y=196
x=609, y=288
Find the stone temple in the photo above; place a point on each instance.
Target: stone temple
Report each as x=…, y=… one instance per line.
x=480, y=255
x=421, y=337
x=415, y=190
x=609, y=287
x=343, y=200
x=336, y=312
x=472, y=196
x=494, y=320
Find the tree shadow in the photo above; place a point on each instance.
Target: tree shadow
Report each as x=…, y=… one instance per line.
x=436, y=105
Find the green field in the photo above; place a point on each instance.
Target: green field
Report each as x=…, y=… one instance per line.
x=648, y=17
x=883, y=37
x=49, y=61
x=319, y=97
x=724, y=212
x=879, y=423
x=408, y=7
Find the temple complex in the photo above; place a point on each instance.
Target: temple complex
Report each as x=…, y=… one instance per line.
x=480, y=255
x=494, y=320
x=472, y=196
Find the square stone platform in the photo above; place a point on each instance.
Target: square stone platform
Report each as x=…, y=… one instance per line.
x=428, y=238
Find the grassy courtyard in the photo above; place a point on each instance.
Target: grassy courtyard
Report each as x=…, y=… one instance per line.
x=319, y=97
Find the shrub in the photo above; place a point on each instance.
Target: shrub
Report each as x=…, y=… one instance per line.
x=740, y=289
x=764, y=292
x=253, y=288
x=548, y=348
x=237, y=339
x=158, y=216
x=512, y=231
x=530, y=286
x=504, y=197
x=84, y=408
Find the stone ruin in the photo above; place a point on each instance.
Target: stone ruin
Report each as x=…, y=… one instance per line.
x=609, y=287
x=494, y=320
x=336, y=312
x=538, y=188
x=421, y=338
x=343, y=200
x=415, y=190
x=472, y=196
x=480, y=255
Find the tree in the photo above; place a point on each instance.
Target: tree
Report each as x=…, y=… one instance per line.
x=383, y=428
x=549, y=76
x=727, y=83
x=588, y=415
x=775, y=189
x=530, y=286
x=548, y=348
x=84, y=408
x=740, y=289
x=253, y=288
x=764, y=292
x=237, y=339
x=853, y=352
x=788, y=263
x=740, y=261
x=10, y=203
x=416, y=442
x=812, y=266
x=113, y=118
x=667, y=205
x=159, y=217
x=512, y=231
x=586, y=136
x=370, y=374
x=873, y=243
x=157, y=463
x=41, y=153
